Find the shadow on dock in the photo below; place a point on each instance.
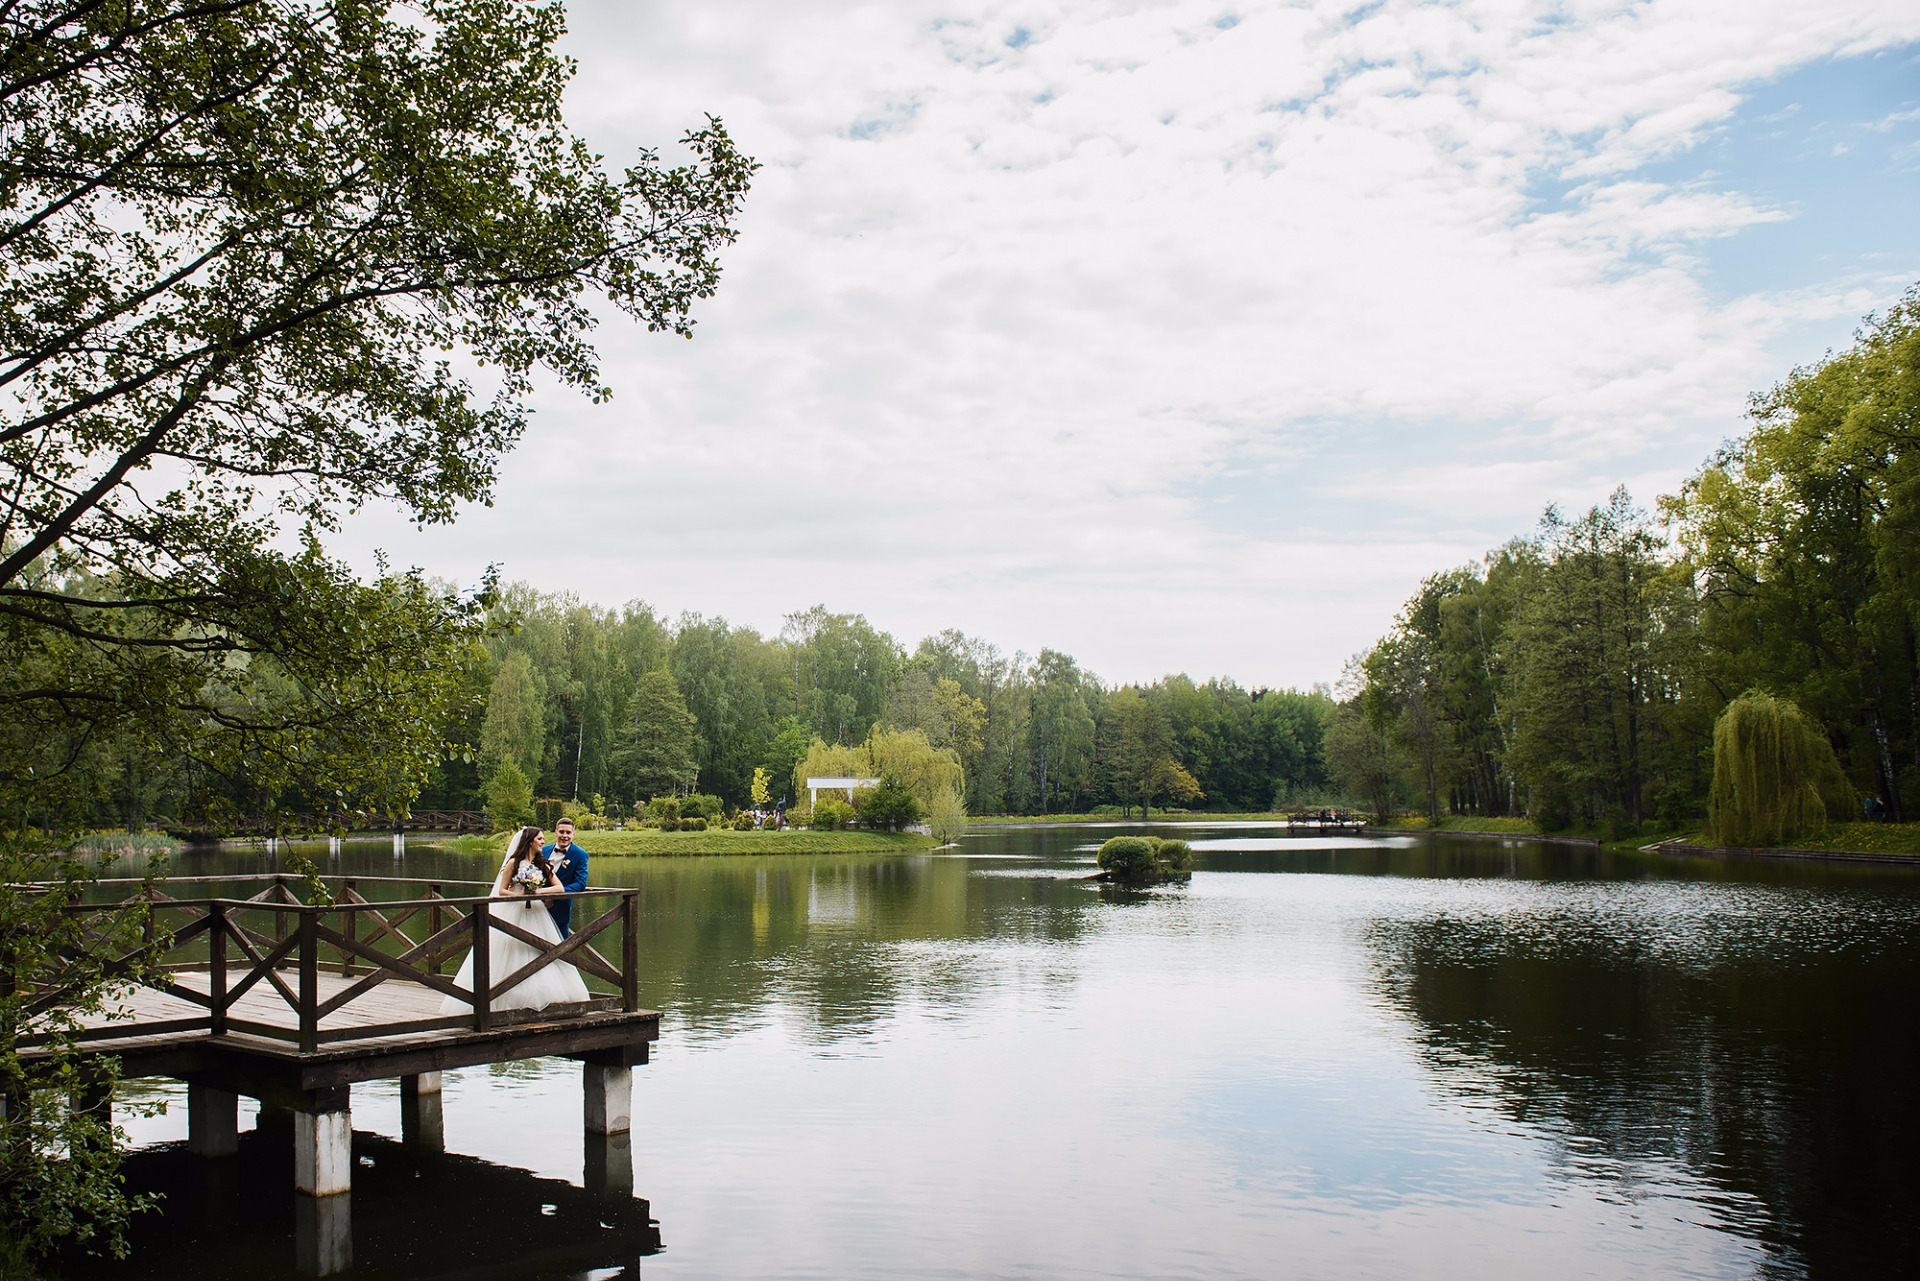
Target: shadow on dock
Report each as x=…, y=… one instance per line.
x=414, y=1214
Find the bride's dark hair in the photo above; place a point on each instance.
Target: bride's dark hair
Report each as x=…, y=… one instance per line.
x=526, y=849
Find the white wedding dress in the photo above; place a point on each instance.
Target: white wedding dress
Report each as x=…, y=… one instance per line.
x=555, y=983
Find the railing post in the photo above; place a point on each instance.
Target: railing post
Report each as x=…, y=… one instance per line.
x=347, y=928
x=630, y=950
x=309, y=980
x=433, y=927
x=217, y=968
x=482, y=966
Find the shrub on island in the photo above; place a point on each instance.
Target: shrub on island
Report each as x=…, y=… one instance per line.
x=1143, y=860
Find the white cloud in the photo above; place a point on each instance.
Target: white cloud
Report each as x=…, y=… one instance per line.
x=1012, y=312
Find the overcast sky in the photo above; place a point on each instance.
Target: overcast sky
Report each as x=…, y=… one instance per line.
x=1189, y=337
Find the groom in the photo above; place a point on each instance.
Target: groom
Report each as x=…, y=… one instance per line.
x=570, y=865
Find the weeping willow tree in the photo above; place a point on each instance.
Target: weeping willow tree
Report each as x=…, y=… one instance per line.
x=1774, y=773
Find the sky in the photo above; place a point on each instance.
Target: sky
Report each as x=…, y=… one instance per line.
x=1189, y=337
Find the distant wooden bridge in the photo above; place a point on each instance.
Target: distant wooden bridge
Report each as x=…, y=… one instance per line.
x=292, y=1003
x=456, y=822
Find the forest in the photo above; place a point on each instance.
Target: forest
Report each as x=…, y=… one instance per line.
x=1576, y=677
x=583, y=701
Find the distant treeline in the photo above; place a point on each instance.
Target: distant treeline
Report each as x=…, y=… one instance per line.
x=584, y=701
x=1576, y=676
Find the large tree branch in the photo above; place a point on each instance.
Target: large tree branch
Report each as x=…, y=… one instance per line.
x=54, y=530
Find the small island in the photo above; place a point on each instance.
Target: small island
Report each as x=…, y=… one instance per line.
x=1144, y=860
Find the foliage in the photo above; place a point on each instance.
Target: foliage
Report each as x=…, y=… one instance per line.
x=654, y=753
x=1774, y=774
x=649, y=842
x=547, y=811
x=1138, y=859
x=947, y=816
x=759, y=790
x=1017, y=730
x=1364, y=760
x=702, y=805
x=509, y=797
x=889, y=807
x=249, y=253
x=59, y=1180
x=903, y=755
x=830, y=815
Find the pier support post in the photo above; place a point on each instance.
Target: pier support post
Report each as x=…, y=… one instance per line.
x=609, y=1098
x=323, y=1144
x=609, y=1166
x=422, y=1124
x=323, y=1235
x=213, y=1121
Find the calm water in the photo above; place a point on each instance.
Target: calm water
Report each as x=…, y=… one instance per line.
x=1341, y=1059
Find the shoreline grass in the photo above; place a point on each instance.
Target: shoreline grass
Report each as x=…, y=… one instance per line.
x=1159, y=816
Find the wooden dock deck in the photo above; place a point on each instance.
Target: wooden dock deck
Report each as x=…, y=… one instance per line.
x=291, y=1003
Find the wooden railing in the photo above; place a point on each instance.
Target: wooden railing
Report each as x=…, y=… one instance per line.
x=275, y=940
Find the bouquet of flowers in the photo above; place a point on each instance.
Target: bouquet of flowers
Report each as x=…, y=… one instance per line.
x=528, y=879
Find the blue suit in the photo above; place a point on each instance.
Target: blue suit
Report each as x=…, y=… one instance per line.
x=572, y=878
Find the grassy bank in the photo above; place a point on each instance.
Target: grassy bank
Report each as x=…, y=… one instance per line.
x=653, y=843
x=1852, y=838
x=1159, y=816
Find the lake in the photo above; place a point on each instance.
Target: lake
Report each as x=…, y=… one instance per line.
x=1323, y=1057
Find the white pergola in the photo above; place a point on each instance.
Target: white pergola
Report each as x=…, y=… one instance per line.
x=835, y=784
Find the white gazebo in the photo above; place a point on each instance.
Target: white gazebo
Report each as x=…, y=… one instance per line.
x=835, y=784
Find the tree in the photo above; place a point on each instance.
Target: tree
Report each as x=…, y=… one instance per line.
x=1363, y=759
x=250, y=253
x=947, y=816
x=59, y=1156
x=1774, y=774
x=1060, y=730
x=515, y=730
x=654, y=755
x=509, y=796
x=760, y=793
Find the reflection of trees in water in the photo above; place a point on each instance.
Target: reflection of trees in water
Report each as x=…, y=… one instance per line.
x=842, y=941
x=1779, y=1075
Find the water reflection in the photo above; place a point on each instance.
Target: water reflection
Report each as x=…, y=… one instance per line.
x=1762, y=1039
x=1326, y=1057
x=413, y=1214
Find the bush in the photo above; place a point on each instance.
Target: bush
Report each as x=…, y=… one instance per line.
x=1551, y=809
x=693, y=824
x=800, y=815
x=889, y=807
x=670, y=815
x=547, y=811
x=742, y=822
x=702, y=805
x=1143, y=858
x=1174, y=856
x=831, y=815
x=1127, y=857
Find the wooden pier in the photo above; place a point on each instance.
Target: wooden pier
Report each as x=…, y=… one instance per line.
x=291, y=1003
x=1324, y=821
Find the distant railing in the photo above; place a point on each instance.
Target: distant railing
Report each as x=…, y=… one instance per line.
x=458, y=822
x=287, y=945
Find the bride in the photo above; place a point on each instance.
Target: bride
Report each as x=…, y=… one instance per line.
x=526, y=878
